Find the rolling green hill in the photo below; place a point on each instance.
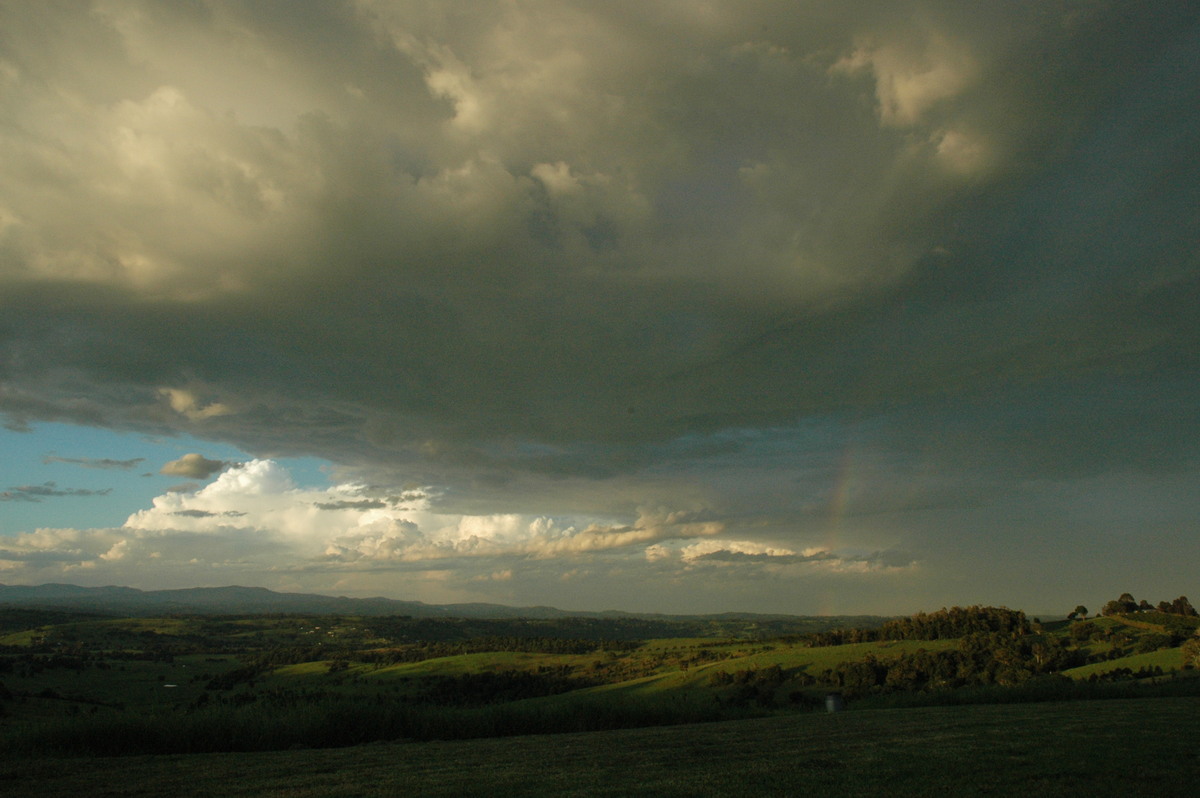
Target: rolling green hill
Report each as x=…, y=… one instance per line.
x=210, y=683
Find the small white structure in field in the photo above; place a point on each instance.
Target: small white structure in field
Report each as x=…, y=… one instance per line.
x=834, y=702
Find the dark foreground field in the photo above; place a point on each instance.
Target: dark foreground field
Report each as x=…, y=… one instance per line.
x=1094, y=748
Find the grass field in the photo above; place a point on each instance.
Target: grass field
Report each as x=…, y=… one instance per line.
x=1142, y=747
x=1168, y=659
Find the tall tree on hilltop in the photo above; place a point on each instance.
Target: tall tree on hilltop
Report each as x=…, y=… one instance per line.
x=1126, y=603
x=1181, y=606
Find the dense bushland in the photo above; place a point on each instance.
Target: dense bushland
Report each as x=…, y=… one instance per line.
x=1053, y=687
x=945, y=624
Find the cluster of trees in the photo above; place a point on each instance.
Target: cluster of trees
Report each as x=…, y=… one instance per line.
x=773, y=675
x=998, y=646
x=232, y=678
x=423, y=650
x=982, y=658
x=753, y=685
x=945, y=624
x=1124, y=674
x=495, y=687
x=1191, y=653
x=1126, y=604
x=1121, y=639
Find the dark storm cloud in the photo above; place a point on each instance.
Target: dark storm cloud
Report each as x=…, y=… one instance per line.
x=557, y=255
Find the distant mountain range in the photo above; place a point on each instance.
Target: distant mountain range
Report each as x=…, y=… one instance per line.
x=234, y=600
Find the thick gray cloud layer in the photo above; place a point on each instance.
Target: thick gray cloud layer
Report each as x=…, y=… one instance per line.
x=589, y=257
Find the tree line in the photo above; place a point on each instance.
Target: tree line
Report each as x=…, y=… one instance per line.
x=1126, y=604
x=944, y=624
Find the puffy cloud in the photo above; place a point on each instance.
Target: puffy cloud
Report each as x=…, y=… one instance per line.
x=192, y=465
x=293, y=529
x=392, y=539
x=353, y=525
x=649, y=527
x=186, y=404
x=259, y=494
x=58, y=546
x=123, y=555
x=507, y=536
x=742, y=550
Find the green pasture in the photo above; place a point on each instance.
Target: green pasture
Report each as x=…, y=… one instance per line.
x=665, y=657
x=1169, y=659
x=1117, y=748
x=816, y=659
x=482, y=662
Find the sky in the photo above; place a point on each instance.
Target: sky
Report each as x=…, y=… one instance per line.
x=771, y=306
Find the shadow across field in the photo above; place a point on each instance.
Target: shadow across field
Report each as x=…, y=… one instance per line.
x=1108, y=748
